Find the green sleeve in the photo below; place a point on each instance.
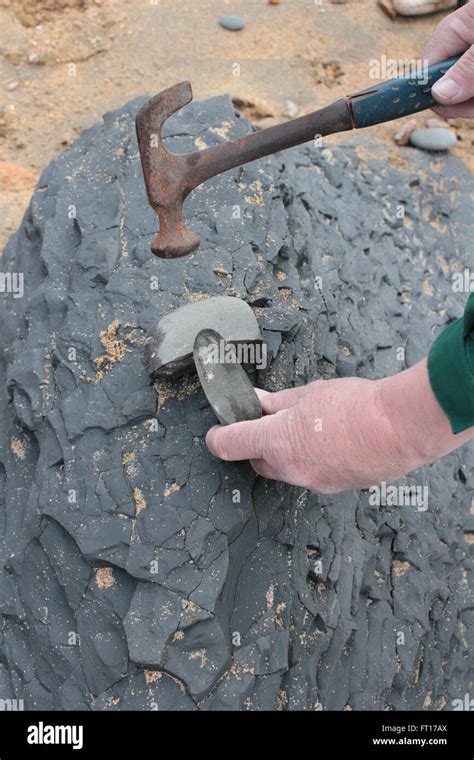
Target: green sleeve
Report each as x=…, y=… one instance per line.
x=451, y=370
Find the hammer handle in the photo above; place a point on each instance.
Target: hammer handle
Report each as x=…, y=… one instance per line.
x=170, y=177
x=220, y=158
x=397, y=97
x=382, y=102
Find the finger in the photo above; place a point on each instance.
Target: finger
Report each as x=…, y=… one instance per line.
x=242, y=440
x=264, y=469
x=287, y=475
x=452, y=36
x=466, y=110
x=275, y=402
x=457, y=85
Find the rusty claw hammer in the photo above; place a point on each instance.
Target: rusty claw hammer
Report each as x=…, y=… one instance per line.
x=170, y=177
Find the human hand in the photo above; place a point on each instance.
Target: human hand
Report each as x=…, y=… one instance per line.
x=333, y=435
x=455, y=90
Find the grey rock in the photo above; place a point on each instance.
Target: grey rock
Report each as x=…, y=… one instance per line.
x=200, y=657
x=433, y=138
x=138, y=572
x=155, y=691
x=234, y=693
x=266, y=655
x=103, y=643
x=232, y=22
x=169, y=343
x=151, y=621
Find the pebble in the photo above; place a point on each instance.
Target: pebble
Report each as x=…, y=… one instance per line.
x=421, y=7
x=233, y=23
x=13, y=85
x=169, y=343
x=290, y=109
x=433, y=138
x=402, y=137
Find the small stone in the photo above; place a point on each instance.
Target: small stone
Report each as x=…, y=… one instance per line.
x=421, y=7
x=232, y=23
x=402, y=137
x=168, y=349
x=433, y=138
x=290, y=110
x=12, y=85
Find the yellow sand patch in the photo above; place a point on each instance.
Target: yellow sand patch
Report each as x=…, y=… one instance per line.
x=400, y=568
x=18, y=448
x=140, y=502
x=104, y=577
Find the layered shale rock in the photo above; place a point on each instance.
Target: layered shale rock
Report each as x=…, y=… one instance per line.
x=137, y=571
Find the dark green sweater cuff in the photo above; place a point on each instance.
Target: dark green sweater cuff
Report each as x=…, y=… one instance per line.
x=450, y=370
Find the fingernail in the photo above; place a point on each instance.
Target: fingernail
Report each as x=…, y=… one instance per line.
x=210, y=435
x=446, y=89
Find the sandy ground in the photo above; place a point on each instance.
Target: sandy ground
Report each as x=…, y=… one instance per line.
x=66, y=62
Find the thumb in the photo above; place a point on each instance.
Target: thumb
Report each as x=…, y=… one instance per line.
x=242, y=440
x=457, y=85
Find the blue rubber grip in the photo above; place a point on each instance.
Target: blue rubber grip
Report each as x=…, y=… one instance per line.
x=397, y=97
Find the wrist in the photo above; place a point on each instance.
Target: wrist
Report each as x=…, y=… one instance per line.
x=419, y=424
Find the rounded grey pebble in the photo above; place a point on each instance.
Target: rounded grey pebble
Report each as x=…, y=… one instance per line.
x=433, y=138
x=233, y=23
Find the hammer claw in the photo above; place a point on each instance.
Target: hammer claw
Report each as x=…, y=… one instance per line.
x=170, y=177
x=164, y=172
x=155, y=111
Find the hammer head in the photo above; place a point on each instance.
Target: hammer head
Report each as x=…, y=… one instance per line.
x=168, y=176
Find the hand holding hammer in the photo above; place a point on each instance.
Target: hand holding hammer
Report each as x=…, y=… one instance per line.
x=170, y=177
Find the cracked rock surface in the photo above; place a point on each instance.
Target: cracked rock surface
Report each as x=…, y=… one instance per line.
x=137, y=572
